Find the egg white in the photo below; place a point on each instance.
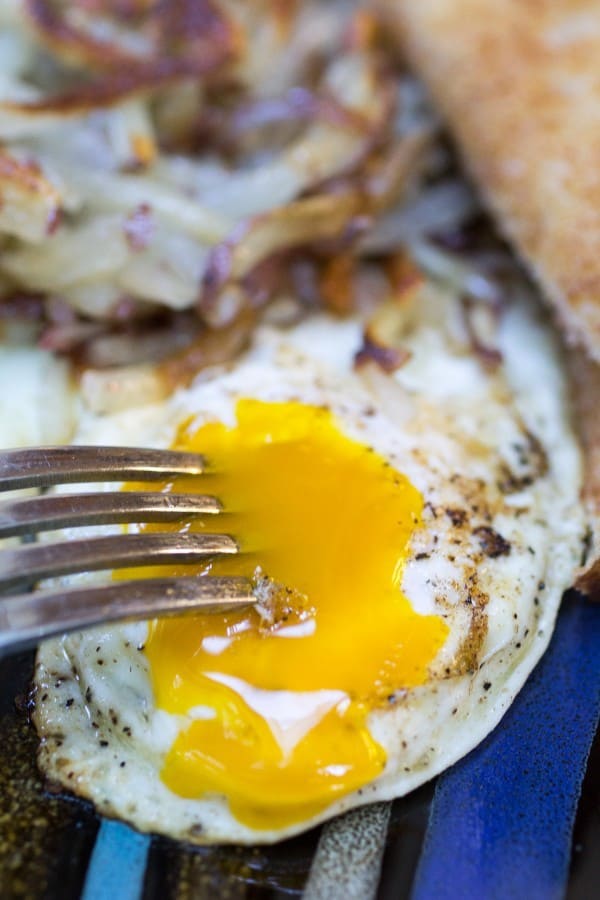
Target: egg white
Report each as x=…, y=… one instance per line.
x=458, y=432
x=38, y=397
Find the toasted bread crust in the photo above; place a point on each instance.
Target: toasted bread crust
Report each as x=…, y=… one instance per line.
x=519, y=83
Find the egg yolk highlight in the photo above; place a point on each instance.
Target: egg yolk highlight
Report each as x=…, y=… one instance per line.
x=278, y=697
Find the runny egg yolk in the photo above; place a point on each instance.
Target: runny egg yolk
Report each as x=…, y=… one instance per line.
x=278, y=699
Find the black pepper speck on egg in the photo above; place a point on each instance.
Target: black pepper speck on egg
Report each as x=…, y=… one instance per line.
x=458, y=517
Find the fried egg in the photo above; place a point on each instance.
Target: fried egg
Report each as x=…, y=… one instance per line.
x=409, y=535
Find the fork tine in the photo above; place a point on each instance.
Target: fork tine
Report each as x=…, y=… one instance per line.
x=43, y=466
x=24, y=566
x=54, y=511
x=29, y=618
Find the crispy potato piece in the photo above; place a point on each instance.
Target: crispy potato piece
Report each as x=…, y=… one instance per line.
x=29, y=203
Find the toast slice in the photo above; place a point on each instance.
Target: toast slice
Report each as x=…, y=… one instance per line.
x=518, y=81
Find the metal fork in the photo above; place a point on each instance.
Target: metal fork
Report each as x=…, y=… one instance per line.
x=28, y=616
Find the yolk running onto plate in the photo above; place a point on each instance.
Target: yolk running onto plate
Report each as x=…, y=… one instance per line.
x=280, y=699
